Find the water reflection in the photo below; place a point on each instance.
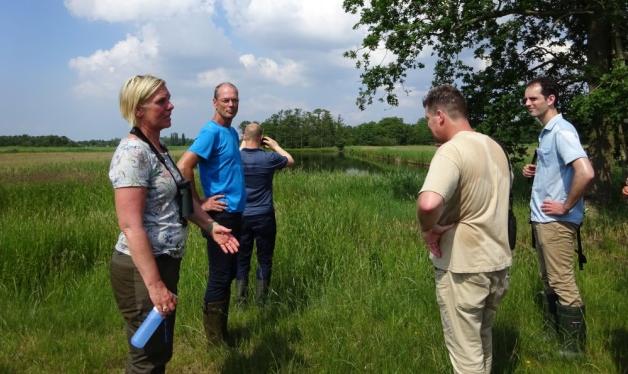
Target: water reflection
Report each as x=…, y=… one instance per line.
x=330, y=161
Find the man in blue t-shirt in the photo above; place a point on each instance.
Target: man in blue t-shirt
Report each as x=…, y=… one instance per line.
x=561, y=175
x=215, y=150
x=258, y=223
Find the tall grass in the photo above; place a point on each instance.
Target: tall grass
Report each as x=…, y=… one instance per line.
x=409, y=154
x=352, y=286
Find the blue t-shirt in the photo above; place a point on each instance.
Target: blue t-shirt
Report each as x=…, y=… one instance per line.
x=259, y=169
x=220, y=166
x=559, y=146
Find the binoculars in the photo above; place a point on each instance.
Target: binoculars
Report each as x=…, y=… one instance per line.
x=184, y=198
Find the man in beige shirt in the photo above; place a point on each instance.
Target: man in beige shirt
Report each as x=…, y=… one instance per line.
x=463, y=212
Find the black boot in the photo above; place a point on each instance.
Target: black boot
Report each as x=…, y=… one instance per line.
x=261, y=291
x=572, y=328
x=215, y=322
x=548, y=302
x=242, y=290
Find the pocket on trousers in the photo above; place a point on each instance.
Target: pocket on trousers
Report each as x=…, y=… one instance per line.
x=471, y=291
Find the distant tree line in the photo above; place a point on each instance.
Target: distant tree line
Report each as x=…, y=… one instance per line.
x=64, y=141
x=53, y=141
x=98, y=143
x=292, y=128
x=296, y=128
x=390, y=131
x=174, y=139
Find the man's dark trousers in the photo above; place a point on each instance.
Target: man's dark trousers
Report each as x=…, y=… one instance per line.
x=260, y=230
x=222, y=266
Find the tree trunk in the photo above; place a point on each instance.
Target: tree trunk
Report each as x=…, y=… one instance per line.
x=601, y=132
x=619, y=59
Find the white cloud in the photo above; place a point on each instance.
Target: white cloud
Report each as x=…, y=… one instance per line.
x=293, y=23
x=105, y=70
x=287, y=74
x=271, y=49
x=193, y=36
x=382, y=56
x=552, y=48
x=335, y=57
x=478, y=64
x=211, y=78
x=133, y=10
x=176, y=49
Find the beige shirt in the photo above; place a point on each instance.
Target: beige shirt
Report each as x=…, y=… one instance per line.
x=471, y=173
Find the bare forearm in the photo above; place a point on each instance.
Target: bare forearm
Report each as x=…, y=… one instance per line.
x=142, y=256
x=284, y=153
x=583, y=175
x=428, y=220
x=430, y=207
x=186, y=166
x=579, y=186
x=201, y=218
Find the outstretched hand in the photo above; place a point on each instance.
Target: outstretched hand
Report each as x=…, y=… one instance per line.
x=432, y=238
x=227, y=242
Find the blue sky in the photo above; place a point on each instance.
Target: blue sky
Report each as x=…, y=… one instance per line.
x=63, y=62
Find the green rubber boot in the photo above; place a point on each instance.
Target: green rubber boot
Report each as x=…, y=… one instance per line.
x=242, y=291
x=261, y=292
x=215, y=316
x=548, y=302
x=572, y=329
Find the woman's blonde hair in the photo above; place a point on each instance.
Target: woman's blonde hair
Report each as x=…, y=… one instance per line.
x=134, y=92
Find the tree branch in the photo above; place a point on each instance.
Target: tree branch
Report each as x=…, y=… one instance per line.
x=523, y=12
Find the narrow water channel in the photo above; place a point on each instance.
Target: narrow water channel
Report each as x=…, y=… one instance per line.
x=330, y=161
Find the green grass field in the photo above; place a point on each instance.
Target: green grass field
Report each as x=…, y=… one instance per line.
x=352, y=285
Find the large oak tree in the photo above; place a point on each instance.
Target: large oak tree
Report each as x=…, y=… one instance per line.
x=490, y=48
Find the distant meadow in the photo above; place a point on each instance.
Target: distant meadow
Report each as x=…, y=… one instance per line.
x=352, y=286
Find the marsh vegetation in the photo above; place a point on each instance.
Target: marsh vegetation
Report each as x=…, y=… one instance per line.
x=352, y=284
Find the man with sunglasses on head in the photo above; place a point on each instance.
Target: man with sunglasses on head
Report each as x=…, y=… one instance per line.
x=561, y=175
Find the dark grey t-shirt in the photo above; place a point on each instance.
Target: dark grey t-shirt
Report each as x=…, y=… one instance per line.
x=259, y=169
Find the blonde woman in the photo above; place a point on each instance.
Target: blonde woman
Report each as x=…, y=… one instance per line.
x=149, y=195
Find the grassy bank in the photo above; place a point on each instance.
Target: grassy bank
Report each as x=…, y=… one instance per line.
x=352, y=285
x=419, y=155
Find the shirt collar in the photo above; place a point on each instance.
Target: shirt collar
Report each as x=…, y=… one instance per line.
x=552, y=122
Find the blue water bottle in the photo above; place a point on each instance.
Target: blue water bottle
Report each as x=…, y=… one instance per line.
x=147, y=328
